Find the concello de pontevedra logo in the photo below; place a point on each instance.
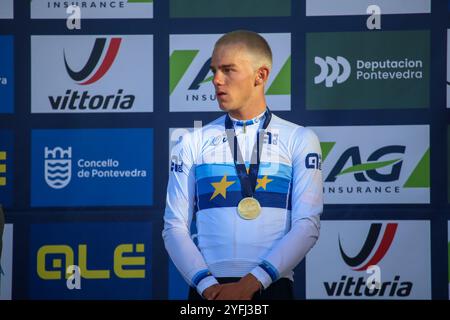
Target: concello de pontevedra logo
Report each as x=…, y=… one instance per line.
x=58, y=167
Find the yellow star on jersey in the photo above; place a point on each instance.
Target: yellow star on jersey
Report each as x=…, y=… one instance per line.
x=221, y=187
x=262, y=183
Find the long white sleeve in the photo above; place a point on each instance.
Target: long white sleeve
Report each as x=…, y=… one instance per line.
x=178, y=216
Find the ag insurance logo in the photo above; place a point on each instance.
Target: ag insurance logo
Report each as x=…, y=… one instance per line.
x=359, y=7
x=92, y=167
x=6, y=263
x=191, y=87
x=350, y=254
x=6, y=9
x=6, y=74
x=115, y=265
x=85, y=74
x=375, y=164
x=93, y=9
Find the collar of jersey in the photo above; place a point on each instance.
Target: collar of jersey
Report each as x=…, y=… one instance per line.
x=241, y=123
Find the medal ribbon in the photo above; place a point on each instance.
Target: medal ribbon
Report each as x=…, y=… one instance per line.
x=248, y=181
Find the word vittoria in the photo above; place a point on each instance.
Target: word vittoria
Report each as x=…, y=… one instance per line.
x=73, y=101
x=348, y=286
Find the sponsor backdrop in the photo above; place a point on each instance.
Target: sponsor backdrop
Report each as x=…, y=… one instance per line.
x=117, y=265
x=93, y=98
x=6, y=74
x=351, y=247
x=6, y=9
x=6, y=270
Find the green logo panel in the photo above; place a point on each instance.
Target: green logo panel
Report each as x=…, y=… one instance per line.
x=368, y=70
x=229, y=8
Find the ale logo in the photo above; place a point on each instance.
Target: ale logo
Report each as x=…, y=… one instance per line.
x=6, y=168
x=332, y=70
x=2, y=168
x=124, y=256
x=357, y=262
x=82, y=75
x=115, y=265
x=58, y=167
x=190, y=79
x=379, y=164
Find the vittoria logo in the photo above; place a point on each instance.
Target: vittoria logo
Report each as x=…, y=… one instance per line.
x=92, y=73
x=357, y=262
x=94, y=58
x=370, y=260
x=369, y=256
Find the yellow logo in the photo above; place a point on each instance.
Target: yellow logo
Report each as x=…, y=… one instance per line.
x=2, y=168
x=54, y=269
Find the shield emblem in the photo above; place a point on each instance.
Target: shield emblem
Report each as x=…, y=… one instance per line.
x=58, y=172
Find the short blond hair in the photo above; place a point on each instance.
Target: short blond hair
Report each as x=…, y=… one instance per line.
x=254, y=43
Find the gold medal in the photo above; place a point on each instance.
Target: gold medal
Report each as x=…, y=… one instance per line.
x=249, y=208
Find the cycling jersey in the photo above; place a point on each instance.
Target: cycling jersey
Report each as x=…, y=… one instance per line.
x=203, y=181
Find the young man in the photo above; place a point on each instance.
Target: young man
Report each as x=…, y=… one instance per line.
x=253, y=182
